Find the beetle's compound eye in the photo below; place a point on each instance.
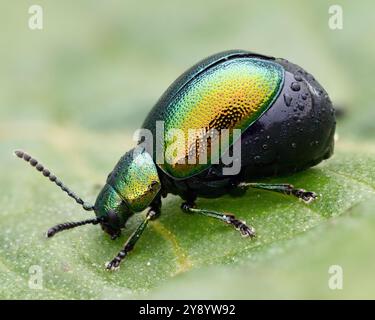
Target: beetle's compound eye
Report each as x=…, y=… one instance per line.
x=111, y=224
x=113, y=232
x=113, y=219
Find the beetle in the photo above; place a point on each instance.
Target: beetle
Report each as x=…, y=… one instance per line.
x=287, y=124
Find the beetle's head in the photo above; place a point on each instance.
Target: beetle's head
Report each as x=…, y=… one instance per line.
x=131, y=187
x=112, y=211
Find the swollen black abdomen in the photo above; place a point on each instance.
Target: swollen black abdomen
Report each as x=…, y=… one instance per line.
x=297, y=132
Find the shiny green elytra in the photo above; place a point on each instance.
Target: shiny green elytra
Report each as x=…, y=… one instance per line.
x=287, y=124
x=229, y=95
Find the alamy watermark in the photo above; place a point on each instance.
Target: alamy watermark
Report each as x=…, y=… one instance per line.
x=336, y=18
x=335, y=279
x=193, y=146
x=35, y=21
x=35, y=277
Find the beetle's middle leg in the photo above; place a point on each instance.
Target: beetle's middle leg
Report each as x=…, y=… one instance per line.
x=245, y=230
x=306, y=196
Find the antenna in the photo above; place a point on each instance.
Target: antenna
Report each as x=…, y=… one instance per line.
x=70, y=225
x=47, y=173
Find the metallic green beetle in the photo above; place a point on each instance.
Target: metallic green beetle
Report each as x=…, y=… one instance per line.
x=286, y=123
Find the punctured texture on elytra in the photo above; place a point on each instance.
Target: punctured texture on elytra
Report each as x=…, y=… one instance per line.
x=230, y=95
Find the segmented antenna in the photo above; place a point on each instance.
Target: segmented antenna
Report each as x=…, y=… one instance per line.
x=70, y=225
x=38, y=166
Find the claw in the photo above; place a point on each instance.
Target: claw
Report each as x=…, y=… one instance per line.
x=305, y=196
x=112, y=265
x=308, y=196
x=247, y=231
x=241, y=226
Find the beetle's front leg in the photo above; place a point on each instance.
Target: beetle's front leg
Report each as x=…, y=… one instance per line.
x=306, y=196
x=245, y=230
x=153, y=213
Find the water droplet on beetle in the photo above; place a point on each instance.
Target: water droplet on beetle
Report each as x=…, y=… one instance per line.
x=298, y=77
x=304, y=96
x=287, y=99
x=265, y=146
x=295, y=86
x=294, y=145
x=257, y=158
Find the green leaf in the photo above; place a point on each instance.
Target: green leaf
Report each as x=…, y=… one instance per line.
x=180, y=252
x=294, y=269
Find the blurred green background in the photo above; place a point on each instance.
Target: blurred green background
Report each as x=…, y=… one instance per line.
x=73, y=93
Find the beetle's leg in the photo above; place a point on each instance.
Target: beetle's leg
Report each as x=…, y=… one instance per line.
x=306, y=196
x=155, y=209
x=246, y=231
x=153, y=213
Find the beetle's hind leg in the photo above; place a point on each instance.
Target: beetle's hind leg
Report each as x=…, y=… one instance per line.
x=245, y=230
x=306, y=196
